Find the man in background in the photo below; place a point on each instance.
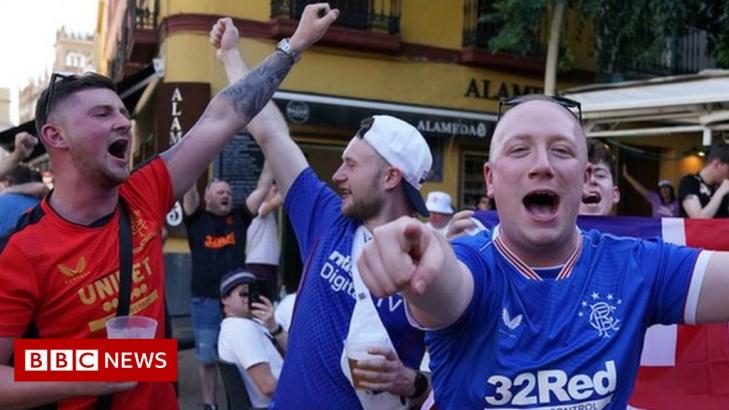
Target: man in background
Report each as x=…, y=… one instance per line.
x=250, y=337
x=600, y=192
x=24, y=187
x=704, y=195
x=217, y=237
x=440, y=207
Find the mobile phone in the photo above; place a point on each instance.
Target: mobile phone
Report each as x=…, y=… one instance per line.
x=255, y=290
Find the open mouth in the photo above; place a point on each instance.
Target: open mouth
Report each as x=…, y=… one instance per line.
x=225, y=202
x=118, y=148
x=591, y=198
x=541, y=203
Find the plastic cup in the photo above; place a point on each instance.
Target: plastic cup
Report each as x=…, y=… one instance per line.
x=356, y=350
x=131, y=327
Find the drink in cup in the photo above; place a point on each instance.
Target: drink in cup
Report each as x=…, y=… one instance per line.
x=356, y=350
x=131, y=327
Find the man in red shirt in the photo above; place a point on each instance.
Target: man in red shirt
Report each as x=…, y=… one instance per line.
x=60, y=272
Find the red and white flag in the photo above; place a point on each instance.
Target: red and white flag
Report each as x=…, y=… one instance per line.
x=682, y=366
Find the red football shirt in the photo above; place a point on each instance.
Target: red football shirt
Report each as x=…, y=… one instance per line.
x=64, y=277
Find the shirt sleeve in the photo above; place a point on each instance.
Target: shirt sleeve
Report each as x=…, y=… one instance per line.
x=250, y=341
x=312, y=208
x=687, y=186
x=467, y=250
x=19, y=294
x=246, y=214
x=676, y=270
x=150, y=187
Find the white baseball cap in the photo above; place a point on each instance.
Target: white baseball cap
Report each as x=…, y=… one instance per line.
x=439, y=202
x=664, y=182
x=403, y=147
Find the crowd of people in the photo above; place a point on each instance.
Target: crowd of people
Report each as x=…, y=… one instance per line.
x=404, y=302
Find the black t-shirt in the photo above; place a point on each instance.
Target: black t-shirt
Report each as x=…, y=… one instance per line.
x=695, y=185
x=218, y=246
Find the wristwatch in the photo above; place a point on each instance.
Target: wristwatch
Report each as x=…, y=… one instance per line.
x=285, y=47
x=278, y=330
x=421, y=385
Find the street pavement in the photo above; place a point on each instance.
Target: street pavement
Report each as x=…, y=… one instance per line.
x=189, y=383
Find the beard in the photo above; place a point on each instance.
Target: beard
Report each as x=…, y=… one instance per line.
x=366, y=206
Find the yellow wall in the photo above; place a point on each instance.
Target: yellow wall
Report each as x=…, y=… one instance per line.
x=420, y=18
x=189, y=57
x=259, y=10
x=176, y=245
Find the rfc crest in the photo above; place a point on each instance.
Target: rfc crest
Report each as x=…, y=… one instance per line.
x=600, y=313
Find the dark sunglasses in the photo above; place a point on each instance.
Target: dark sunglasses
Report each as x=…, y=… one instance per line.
x=567, y=103
x=55, y=78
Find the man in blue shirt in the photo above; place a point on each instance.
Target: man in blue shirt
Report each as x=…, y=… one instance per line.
x=24, y=187
x=535, y=313
x=382, y=170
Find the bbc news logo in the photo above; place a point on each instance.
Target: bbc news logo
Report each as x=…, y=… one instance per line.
x=144, y=360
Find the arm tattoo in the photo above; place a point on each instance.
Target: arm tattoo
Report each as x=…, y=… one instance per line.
x=251, y=93
x=170, y=152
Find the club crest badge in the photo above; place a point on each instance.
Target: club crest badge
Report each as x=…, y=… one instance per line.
x=600, y=312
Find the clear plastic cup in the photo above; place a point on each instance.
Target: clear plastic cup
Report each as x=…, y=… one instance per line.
x=131, y=327
x=356, y=350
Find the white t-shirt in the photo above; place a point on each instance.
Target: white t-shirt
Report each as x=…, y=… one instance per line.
x=285, y=310
x=443, y=231
x=262, y=245
x=246, y=343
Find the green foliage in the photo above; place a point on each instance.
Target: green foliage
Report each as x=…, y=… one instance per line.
x=519, y=22
x=626, y=33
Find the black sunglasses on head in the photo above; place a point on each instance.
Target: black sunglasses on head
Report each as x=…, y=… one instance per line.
x=567, y=103
x=55, y=77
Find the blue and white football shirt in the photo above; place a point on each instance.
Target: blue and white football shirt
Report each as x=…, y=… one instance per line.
x=311, y=377
x=565, y=338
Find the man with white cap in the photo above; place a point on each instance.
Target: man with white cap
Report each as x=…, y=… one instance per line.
x=441, y=211
x=382, y=170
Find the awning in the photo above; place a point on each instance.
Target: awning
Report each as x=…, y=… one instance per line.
x=344, y=112
x=130, y=89
x=696, y=103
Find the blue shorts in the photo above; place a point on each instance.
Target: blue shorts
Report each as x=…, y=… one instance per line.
x=206, y=317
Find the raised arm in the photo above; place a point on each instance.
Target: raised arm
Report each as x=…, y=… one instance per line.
x=635, y=184
x=271, y=204
x=37, y=189
x=191, y=200
x=268, y=127
x=236, y=105
x=422, y=267
x=693, y=208
x=24, y=145
x=256, y=198
x=713, y=305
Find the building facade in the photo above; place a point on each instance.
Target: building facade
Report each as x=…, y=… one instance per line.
x=74, y=54
x=422, y=62
x=428, y=63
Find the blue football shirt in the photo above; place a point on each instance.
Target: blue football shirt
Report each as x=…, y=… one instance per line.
x=311, y=377
x=12, y=207
x=571, y=340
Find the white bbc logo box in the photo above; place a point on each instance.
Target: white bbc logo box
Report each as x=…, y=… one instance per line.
x=61, y=360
